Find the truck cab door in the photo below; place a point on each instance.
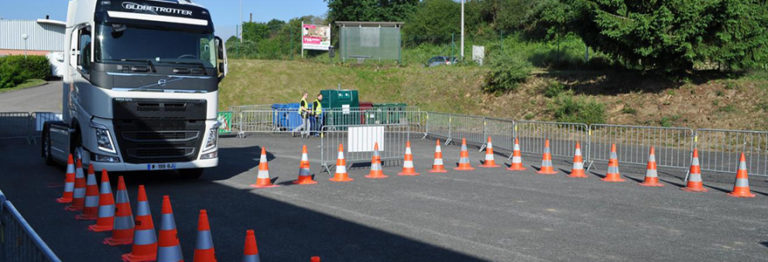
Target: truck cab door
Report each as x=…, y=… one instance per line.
x=221, y=58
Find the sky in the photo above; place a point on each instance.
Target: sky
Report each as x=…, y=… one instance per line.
x=226, y=13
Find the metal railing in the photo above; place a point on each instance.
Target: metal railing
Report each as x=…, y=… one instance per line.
x=673, y=145
x=358, y=142
x=16, y=125
x=562, y=136
x=719, y=150
x=18, y=241
x=501, y=132
x=470, y=127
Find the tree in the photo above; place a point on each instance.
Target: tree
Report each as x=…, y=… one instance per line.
x=433, y=21
x=370, y=10
x=669, y=34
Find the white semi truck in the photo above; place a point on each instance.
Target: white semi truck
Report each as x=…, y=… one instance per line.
x=140, y=88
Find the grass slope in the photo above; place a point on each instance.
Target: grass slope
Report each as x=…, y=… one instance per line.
x=629, y=98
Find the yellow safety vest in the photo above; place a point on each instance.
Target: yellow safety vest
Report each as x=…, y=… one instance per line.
x=318, y=108
x=305, y=106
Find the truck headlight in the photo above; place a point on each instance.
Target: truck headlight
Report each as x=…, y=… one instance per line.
x=213, y=137
x=104, y=140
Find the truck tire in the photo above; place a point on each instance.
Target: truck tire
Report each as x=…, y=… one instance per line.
x=191, y=173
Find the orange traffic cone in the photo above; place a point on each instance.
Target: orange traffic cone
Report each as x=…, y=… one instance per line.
x=437, y=165
x=144, y=236
x=106, y=215
x=204, y=251
x=168, y=244
x=741, y=186
x=489, y=160
x=91, y=208
x=69, y=182
x=517, y=158
x=578, y=163
x=695, y=184
x=376, y=171
x=613, y=167
x=263, y=180
x=464, y=164
x=122, y=230
x=314, y=259
x=651, y=175
x=305, y=175
x=251, y=250
x=408, y=169
x=546, y=161
x=341, y=168
x=78, y=198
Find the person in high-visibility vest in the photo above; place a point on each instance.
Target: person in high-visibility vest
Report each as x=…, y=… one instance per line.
x=304, y=112
x=317, y=115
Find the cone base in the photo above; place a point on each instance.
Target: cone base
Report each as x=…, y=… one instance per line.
x=407, y=174
x=465, y=168
x=614, y=178
x=693, y=189
x=341, y=179
x=304, y=182
x=72, y=208
x=130, y=257
x=376, y=176
x=263, y=186
x=489, y=166
x=117, y=242
x=578, y=174
x=64, y=200
x=438, y=171
x=744, y=194
x=651, y=184
x=516, y=168
x=86, y=217
x=99, y=228
x=546, y=172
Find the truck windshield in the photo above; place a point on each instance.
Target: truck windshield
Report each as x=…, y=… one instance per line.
x=117, y=42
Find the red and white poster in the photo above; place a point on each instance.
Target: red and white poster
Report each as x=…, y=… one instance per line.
x=315, y=37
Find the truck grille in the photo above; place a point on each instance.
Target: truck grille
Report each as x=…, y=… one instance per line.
x=158, y=131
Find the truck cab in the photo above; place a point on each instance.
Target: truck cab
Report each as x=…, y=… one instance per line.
x=140, y=88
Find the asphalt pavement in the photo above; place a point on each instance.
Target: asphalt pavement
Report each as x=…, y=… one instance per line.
x=483, y=215
x=45, y=98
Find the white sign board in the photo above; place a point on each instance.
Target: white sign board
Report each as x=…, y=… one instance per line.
x=362, y=138
x=315, y=37
x=478, y=54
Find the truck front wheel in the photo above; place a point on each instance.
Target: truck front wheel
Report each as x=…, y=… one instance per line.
x=46, y=144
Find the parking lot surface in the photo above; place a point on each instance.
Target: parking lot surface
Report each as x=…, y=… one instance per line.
x=483, y=215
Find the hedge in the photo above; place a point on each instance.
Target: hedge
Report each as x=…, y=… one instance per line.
x=14, y=70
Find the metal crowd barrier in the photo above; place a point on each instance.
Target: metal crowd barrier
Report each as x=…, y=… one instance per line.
x=439, y=126
x=470, y=127
x=16, y=125
x=562, y=136
x=719, y=150
x=358, y=144
x=18, y=241
x=501, y=132
x=673, y=145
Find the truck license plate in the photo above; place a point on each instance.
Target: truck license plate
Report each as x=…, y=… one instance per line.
x=161, y=166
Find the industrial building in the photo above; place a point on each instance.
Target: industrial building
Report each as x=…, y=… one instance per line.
x=31, y=37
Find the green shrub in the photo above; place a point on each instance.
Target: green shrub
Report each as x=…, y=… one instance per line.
x=506, y=73
x=667, y=121
x=727, y=109
x=628, y=110
x=567, y=108
x=554, y=89
x=15, y=70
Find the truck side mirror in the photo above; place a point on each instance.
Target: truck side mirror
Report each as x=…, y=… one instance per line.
x=221, y=58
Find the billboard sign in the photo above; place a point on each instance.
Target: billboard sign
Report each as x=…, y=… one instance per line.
x=315, y=37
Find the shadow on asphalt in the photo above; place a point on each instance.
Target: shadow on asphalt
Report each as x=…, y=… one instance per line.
x=284, y=231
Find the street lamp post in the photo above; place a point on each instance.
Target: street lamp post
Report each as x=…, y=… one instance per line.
x=24, y=36
x=462, y=30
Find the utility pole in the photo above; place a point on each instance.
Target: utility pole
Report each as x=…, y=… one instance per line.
x=462, y=30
